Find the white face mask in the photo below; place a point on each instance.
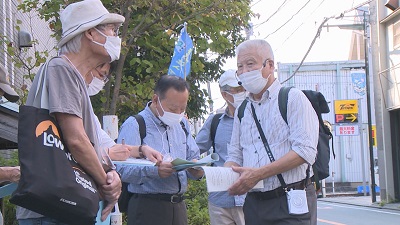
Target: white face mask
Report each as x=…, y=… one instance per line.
x=253, y=81
x=238, y=98
x=169, y=118
x=95, y=86
x=112, y=45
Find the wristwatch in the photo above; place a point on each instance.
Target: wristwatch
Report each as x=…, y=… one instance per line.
x=141, y=155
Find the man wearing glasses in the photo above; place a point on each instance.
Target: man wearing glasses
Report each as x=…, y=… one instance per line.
x=292, y=146
x=120, y=152
x=158, y=190
x=89, y=38
x=223, y=208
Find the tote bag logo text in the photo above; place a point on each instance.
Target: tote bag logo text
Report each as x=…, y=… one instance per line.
x=48, y=138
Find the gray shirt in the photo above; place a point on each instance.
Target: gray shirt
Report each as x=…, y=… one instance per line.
x=67, y=93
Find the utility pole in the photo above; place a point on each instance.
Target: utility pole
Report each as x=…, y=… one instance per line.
x=364, y=27
x=371, y=141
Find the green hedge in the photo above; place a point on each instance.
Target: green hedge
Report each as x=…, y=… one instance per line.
x=196, y=200
x=197, y=203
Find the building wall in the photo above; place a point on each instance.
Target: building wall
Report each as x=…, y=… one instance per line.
x=10, y=55
x=10, y=19
x=386, y=63
x=334, y=81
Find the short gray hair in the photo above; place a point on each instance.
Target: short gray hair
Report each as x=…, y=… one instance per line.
x=263, y=48
x=73, y=45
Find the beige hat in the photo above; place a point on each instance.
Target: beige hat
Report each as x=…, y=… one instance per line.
x=81, y=16
x=229, y=78
x=9, y=93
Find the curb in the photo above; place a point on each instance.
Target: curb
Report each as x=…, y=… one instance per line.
x=388, y=206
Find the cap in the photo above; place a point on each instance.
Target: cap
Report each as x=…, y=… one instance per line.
x=81, y=16
x=9, y=93
x=229, y=78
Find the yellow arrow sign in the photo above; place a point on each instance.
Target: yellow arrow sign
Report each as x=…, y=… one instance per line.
x=352, y=117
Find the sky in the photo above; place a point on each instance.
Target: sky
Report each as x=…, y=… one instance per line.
x=291, y=25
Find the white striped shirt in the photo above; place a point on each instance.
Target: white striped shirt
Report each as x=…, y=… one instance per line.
x=301, y=135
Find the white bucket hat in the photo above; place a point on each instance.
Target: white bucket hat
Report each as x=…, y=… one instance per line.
x=81, y=16
x=9, y=93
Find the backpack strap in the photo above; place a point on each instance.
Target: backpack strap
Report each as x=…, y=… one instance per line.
x=184, y=128
x=213, y=130
x=142, y=127
x=283, y=97
x=241, y=109
x=125, y=196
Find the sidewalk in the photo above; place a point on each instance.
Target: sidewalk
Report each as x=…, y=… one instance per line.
x=360, y=201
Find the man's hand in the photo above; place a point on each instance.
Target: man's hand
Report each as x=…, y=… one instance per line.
x=110, y=193
x=10, y=173
x=165, y=169
x=196, y=172
x=151, y=154
x=119, y=152
x=248, y=179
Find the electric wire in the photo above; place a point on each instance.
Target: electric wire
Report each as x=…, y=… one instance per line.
x=318, y=34
x=279, y=8
x=289, y=19
x=300, y=25
x=256, y=3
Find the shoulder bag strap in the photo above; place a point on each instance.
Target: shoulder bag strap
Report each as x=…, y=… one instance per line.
x=213, y=130
x=266, y=145
x=142, y=127
x=241, y=109
x=283, y=97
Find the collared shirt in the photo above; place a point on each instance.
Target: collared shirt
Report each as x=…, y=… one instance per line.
x=169, y=141
x=222, y=138
x=300, y=134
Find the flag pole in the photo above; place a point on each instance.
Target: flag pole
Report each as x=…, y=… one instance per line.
x=184, y=67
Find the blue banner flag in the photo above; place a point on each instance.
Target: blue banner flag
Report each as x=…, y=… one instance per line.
x=180, y=63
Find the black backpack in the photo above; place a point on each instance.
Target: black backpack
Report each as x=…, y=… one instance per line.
x=123, y=200
x=321, y=165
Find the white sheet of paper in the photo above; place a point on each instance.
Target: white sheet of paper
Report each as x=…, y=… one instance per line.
x=139, y=162
x=221, y=178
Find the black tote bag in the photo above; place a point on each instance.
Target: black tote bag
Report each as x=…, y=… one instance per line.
x=51, y=183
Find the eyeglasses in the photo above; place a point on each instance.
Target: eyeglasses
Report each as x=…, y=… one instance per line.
x=111, y=26
x=235, y=90
x=103, y=76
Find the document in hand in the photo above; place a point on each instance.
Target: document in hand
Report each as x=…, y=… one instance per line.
x=221, y=178
x=137, y=162
x=181, y=164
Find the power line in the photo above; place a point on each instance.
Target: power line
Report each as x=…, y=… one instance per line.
x=279, y=8
x=318, y=34
x=289, y=19
x=300, y=25
x=309, y=49
x=256, y=3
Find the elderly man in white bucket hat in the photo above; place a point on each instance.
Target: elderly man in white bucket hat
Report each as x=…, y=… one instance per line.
x=89, y=38
x=5, y=88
